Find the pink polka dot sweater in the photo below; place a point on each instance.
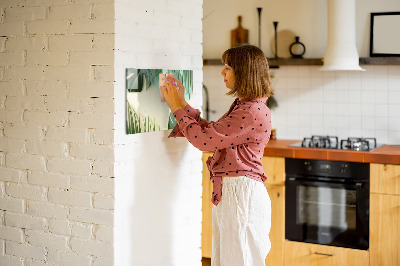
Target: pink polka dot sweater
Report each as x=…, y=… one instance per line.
x=238, y=139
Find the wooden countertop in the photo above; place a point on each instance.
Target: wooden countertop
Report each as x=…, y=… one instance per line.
x=389, y=154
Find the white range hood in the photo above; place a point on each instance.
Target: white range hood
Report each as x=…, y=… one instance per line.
x=341, y=51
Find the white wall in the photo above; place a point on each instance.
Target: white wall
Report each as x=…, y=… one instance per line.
x=311, y=102
x=56, y=132
x=158, y=180
x=305, y=18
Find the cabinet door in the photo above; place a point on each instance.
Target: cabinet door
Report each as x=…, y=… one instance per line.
x=384, y=229
x=304, y=254
x=385, y=178
x=277, y=233
x=206, y=232
x=274, y=168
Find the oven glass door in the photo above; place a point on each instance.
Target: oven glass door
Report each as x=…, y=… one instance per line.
x=326, y=213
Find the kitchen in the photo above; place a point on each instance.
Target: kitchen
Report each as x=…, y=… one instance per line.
x=76, y=189
x=313, y=104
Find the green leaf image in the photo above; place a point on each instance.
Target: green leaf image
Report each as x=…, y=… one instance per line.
x=137, y=123
x=143, y=90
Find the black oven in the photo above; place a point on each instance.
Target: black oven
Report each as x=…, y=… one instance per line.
x=327, y=202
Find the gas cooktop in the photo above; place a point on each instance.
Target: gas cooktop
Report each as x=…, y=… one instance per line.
x=332, y=142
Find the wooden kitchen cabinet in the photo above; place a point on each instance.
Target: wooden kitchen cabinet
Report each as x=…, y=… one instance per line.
x=277, y=233
x=385, y=178
x=274, y=168
x=206, y=225
x=384, y=237
x=305, y=254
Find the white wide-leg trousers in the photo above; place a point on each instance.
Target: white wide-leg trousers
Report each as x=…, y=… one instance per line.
x=241, y=223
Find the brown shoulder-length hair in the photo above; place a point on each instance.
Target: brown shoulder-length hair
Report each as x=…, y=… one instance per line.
x=250, y=66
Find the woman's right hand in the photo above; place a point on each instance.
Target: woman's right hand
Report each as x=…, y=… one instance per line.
x=181, y=91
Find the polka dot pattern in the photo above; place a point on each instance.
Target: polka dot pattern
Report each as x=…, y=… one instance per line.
x=238, y=139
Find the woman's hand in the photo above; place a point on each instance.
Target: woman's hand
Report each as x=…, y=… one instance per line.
x=181, y=90
x=172, y=95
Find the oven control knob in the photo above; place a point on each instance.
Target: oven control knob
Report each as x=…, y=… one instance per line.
x=343, y=168
x=308, y=166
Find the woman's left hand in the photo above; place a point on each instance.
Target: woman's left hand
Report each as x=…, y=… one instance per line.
x=171, y=95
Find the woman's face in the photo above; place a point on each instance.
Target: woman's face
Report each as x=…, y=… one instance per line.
x=229, y=76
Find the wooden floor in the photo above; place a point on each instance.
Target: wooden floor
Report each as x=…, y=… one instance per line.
x=206, y=261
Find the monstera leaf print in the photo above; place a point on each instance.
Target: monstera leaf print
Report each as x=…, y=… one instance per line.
x=135, y=78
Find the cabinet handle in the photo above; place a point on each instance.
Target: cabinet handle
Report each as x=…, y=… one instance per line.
x=324, y=254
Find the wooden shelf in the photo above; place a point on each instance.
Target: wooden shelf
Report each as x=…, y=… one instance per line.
x=380, y=61
x=274, y=63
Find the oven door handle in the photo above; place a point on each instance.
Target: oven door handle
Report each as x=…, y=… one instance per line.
x=357, y=185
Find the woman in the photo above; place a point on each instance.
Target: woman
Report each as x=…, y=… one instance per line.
x=242, y=208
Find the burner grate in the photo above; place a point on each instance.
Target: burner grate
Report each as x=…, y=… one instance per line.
x=332, y=142
x=358, y=144
x=327, y=142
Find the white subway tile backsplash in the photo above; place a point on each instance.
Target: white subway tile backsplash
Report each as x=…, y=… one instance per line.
x=381, y=122
x=394, y=123
x=394, y=110
x=355, y=122
x=342, y=122
x=328, y=74
x=368, y=123
x=394, y=97
x=342, y=81
x=367, y=133
x=304, y=72
x=354, y=80
x=342, y=109
x=304, y=82
x=329, y=109
x=367, y=110
x=355, y=132
x=367, y=96
x=380, y=71
x=381, y=136
x=381, y=97
x=347, y=103
x=329, y=94
x=316, y=82
x=394, y=83
x=393, y=71
x=342, y=96
x=355, y=96
x=380, y=84
x=394, y=137
x=292, y=83
x=355, y=109
x=342, y=133
x=381, y=110
x=291, y=71
x=329, y=122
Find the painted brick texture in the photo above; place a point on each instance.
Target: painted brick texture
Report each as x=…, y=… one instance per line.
x=56, y=132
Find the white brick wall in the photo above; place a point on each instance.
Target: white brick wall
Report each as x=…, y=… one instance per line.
x=56, y=132
x=156, y=177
